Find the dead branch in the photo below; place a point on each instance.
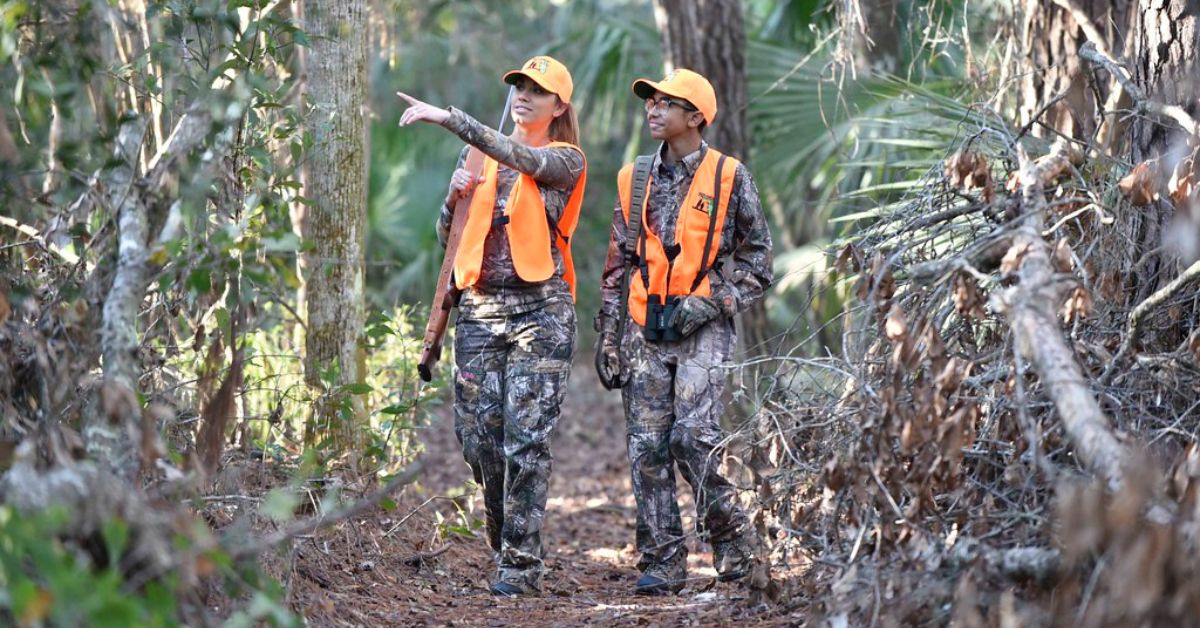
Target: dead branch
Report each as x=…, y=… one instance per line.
x=1133, y=328
x=1032, y=306
x=298, y=528
x=1022, y=563
x=1142, y=102
x=416, y=560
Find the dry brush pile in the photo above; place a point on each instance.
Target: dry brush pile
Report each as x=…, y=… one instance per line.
x=1010, y=432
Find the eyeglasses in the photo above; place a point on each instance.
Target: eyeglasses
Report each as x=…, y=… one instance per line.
x=662, y=104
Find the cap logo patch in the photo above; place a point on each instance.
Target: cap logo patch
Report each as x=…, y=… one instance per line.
x=541, y=65
x=670, y=76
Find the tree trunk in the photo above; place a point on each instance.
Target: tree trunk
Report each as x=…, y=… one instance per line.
x=336, y=178
x=709, y=37
x=1164, y=41
x=1052, y=36
x=882, y=54
x=1157, y=41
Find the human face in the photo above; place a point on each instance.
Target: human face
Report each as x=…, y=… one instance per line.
x=669, y=117
x=533, y=106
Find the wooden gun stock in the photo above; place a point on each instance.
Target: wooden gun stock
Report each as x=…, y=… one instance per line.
x=447, y=293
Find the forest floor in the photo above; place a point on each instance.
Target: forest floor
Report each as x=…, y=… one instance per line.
x=380, y=570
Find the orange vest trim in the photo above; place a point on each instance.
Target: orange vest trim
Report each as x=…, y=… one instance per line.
x=691, y=229
x=527, y=229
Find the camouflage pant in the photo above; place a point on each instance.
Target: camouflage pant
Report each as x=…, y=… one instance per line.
x=510, y=380
x=673, y=404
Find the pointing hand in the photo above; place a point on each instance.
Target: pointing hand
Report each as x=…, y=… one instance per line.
x=419, y=111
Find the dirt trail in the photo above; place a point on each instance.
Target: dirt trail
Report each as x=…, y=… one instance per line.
x=359, y=574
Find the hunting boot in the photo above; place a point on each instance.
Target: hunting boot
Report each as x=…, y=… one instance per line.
x=517, y=582
x=733, y=558
x=661, y=579
x=514, y=587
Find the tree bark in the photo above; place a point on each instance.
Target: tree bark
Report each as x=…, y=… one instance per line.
x=709, y=37
x=109, y=430
x=1157, y=40
x=1052, y=36
x=1165, y=46
x=336, y=180
x=1164, y=41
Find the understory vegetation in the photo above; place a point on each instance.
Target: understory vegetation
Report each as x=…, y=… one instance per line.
x=970, y=395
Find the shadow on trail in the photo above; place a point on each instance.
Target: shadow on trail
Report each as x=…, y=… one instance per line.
x=419, y=575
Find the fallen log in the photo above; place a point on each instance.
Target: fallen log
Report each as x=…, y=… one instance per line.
x=1039, y=564
x=1032, y=309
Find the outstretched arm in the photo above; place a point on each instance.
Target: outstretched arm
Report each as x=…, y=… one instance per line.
x=556, y=167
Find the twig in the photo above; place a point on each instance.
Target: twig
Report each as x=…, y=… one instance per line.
x=420, y=557
x=1105, y=219
x=224, y=498
x=1040, y=112
x=1133, y=329
x=312, y=524
x=891, y=502
x=415, y=511
x=1085, y=22
x=1090, y=52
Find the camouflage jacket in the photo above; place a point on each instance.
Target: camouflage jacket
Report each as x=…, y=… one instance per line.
x=556, y=171
x=743, y=271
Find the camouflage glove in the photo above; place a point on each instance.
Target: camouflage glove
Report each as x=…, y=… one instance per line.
x=692, y=313
x=608, y=354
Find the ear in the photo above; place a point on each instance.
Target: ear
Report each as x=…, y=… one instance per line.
x=560, y=107
x=695, y=119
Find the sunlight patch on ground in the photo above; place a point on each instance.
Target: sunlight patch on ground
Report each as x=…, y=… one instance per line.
x=606, y=554
x=697, y=571
x=661, y=604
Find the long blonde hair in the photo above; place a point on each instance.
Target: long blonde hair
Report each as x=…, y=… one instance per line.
x=565, y=128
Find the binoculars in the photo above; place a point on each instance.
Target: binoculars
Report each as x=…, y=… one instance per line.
x=658, y=317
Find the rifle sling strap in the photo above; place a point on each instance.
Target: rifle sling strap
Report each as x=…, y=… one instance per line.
x=633, y=235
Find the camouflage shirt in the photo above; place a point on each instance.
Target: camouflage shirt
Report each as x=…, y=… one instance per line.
x=743, y=270
x=556, y=171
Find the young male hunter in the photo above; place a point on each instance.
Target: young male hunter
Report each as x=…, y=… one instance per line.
x=702, y=254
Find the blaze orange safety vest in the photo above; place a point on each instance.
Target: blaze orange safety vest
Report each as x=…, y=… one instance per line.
x=692, y=229
x=528, y=228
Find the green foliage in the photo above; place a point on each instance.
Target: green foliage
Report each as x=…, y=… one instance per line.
x=224, y=271
x=454, y=54
x=47, y=582
x=461, y=524
x=832, y=152
x=44, y=582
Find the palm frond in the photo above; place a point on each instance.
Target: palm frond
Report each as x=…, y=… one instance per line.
x=828, y=151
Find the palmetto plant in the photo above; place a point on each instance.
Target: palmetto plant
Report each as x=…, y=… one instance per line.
x=822, y=150
x=834, y=152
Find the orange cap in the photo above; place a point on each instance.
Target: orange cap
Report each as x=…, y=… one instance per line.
x=548, y=72
x=684, y=84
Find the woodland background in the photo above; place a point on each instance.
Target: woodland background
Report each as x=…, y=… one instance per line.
x=970, y=397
